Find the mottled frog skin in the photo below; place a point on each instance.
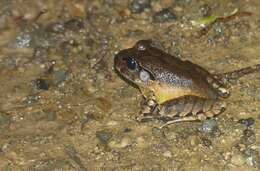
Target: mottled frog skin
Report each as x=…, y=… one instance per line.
x=174, y=90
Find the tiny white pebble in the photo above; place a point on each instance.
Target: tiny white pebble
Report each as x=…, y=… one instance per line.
x=167, y=154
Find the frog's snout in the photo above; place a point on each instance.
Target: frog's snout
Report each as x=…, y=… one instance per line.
x=118, y=61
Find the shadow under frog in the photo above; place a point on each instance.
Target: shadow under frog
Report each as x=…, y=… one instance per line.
x=174, y=90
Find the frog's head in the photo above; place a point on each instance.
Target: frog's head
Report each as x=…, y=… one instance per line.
x=128, y=63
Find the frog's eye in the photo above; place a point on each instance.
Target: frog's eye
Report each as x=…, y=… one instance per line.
x=131, y=64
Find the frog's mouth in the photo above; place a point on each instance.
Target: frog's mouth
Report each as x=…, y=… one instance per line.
x=126, y=77
x=122, y=72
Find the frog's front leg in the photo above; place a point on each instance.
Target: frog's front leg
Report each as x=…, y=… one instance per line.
x=149, y=106
x=149, y=110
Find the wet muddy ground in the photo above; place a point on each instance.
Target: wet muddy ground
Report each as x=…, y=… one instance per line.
x=62, y=106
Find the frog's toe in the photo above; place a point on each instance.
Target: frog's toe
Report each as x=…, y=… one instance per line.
x=146, y=109
x=223, y=92
x=145, y=117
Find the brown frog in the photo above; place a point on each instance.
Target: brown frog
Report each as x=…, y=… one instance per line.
x=174, y=90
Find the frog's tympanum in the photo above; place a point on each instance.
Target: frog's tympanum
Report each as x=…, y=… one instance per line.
x=174, y=90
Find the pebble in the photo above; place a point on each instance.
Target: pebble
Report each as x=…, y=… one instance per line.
x=121, y=144
x=126, y=130
x=138, y=6
x=134, y=33
x=74, y=24
x=57, y=27
x=248, y=137
x=247, y=122
x=208, y=126
x=167, y=154
x=60, y=76
x=164, y=15
x=205, y=10
x=23, y=40
x=206, y=142
x=103, y=136
x=170, y=135
x=41, y=84
x=238, y=160
x=140, y=142
x=157, y=132
x=252, y=158
x=112, y=123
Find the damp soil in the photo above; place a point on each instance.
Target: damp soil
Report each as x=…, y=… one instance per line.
x=62, y=106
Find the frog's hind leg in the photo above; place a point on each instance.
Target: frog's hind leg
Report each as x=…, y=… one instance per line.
x=191, y=108
x=236, y=74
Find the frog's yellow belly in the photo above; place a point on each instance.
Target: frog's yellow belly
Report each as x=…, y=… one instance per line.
x=164, y=92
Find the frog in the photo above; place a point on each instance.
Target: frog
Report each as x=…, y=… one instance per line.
x=174, y=90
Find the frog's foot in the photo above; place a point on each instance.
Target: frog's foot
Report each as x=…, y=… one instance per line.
x=222, y=91
x=148, y=106
x=148, y=112
x=145, y=117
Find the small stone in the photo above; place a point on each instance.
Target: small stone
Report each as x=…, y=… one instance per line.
x=138, y=6
x=205, y=10
x=103, y=136
x=248, y=137
x=74, y=24
x=23, y=40
x=241, y=147
x=247, y=122
x=252, y=157
x=219, y=29
x=4, y=147
x=126, y=130
x=140, y=142
x=121, y=144
x=41, y=84
x=167, y=154
x=206, y=142
x=112, y=123
x=156, y=131
x=164, y=15
x=134, y=33
x=238, y=160
x=170, y=135
x=60, y=76
x=86, y=117
x=57, y=27
x=208, y=126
